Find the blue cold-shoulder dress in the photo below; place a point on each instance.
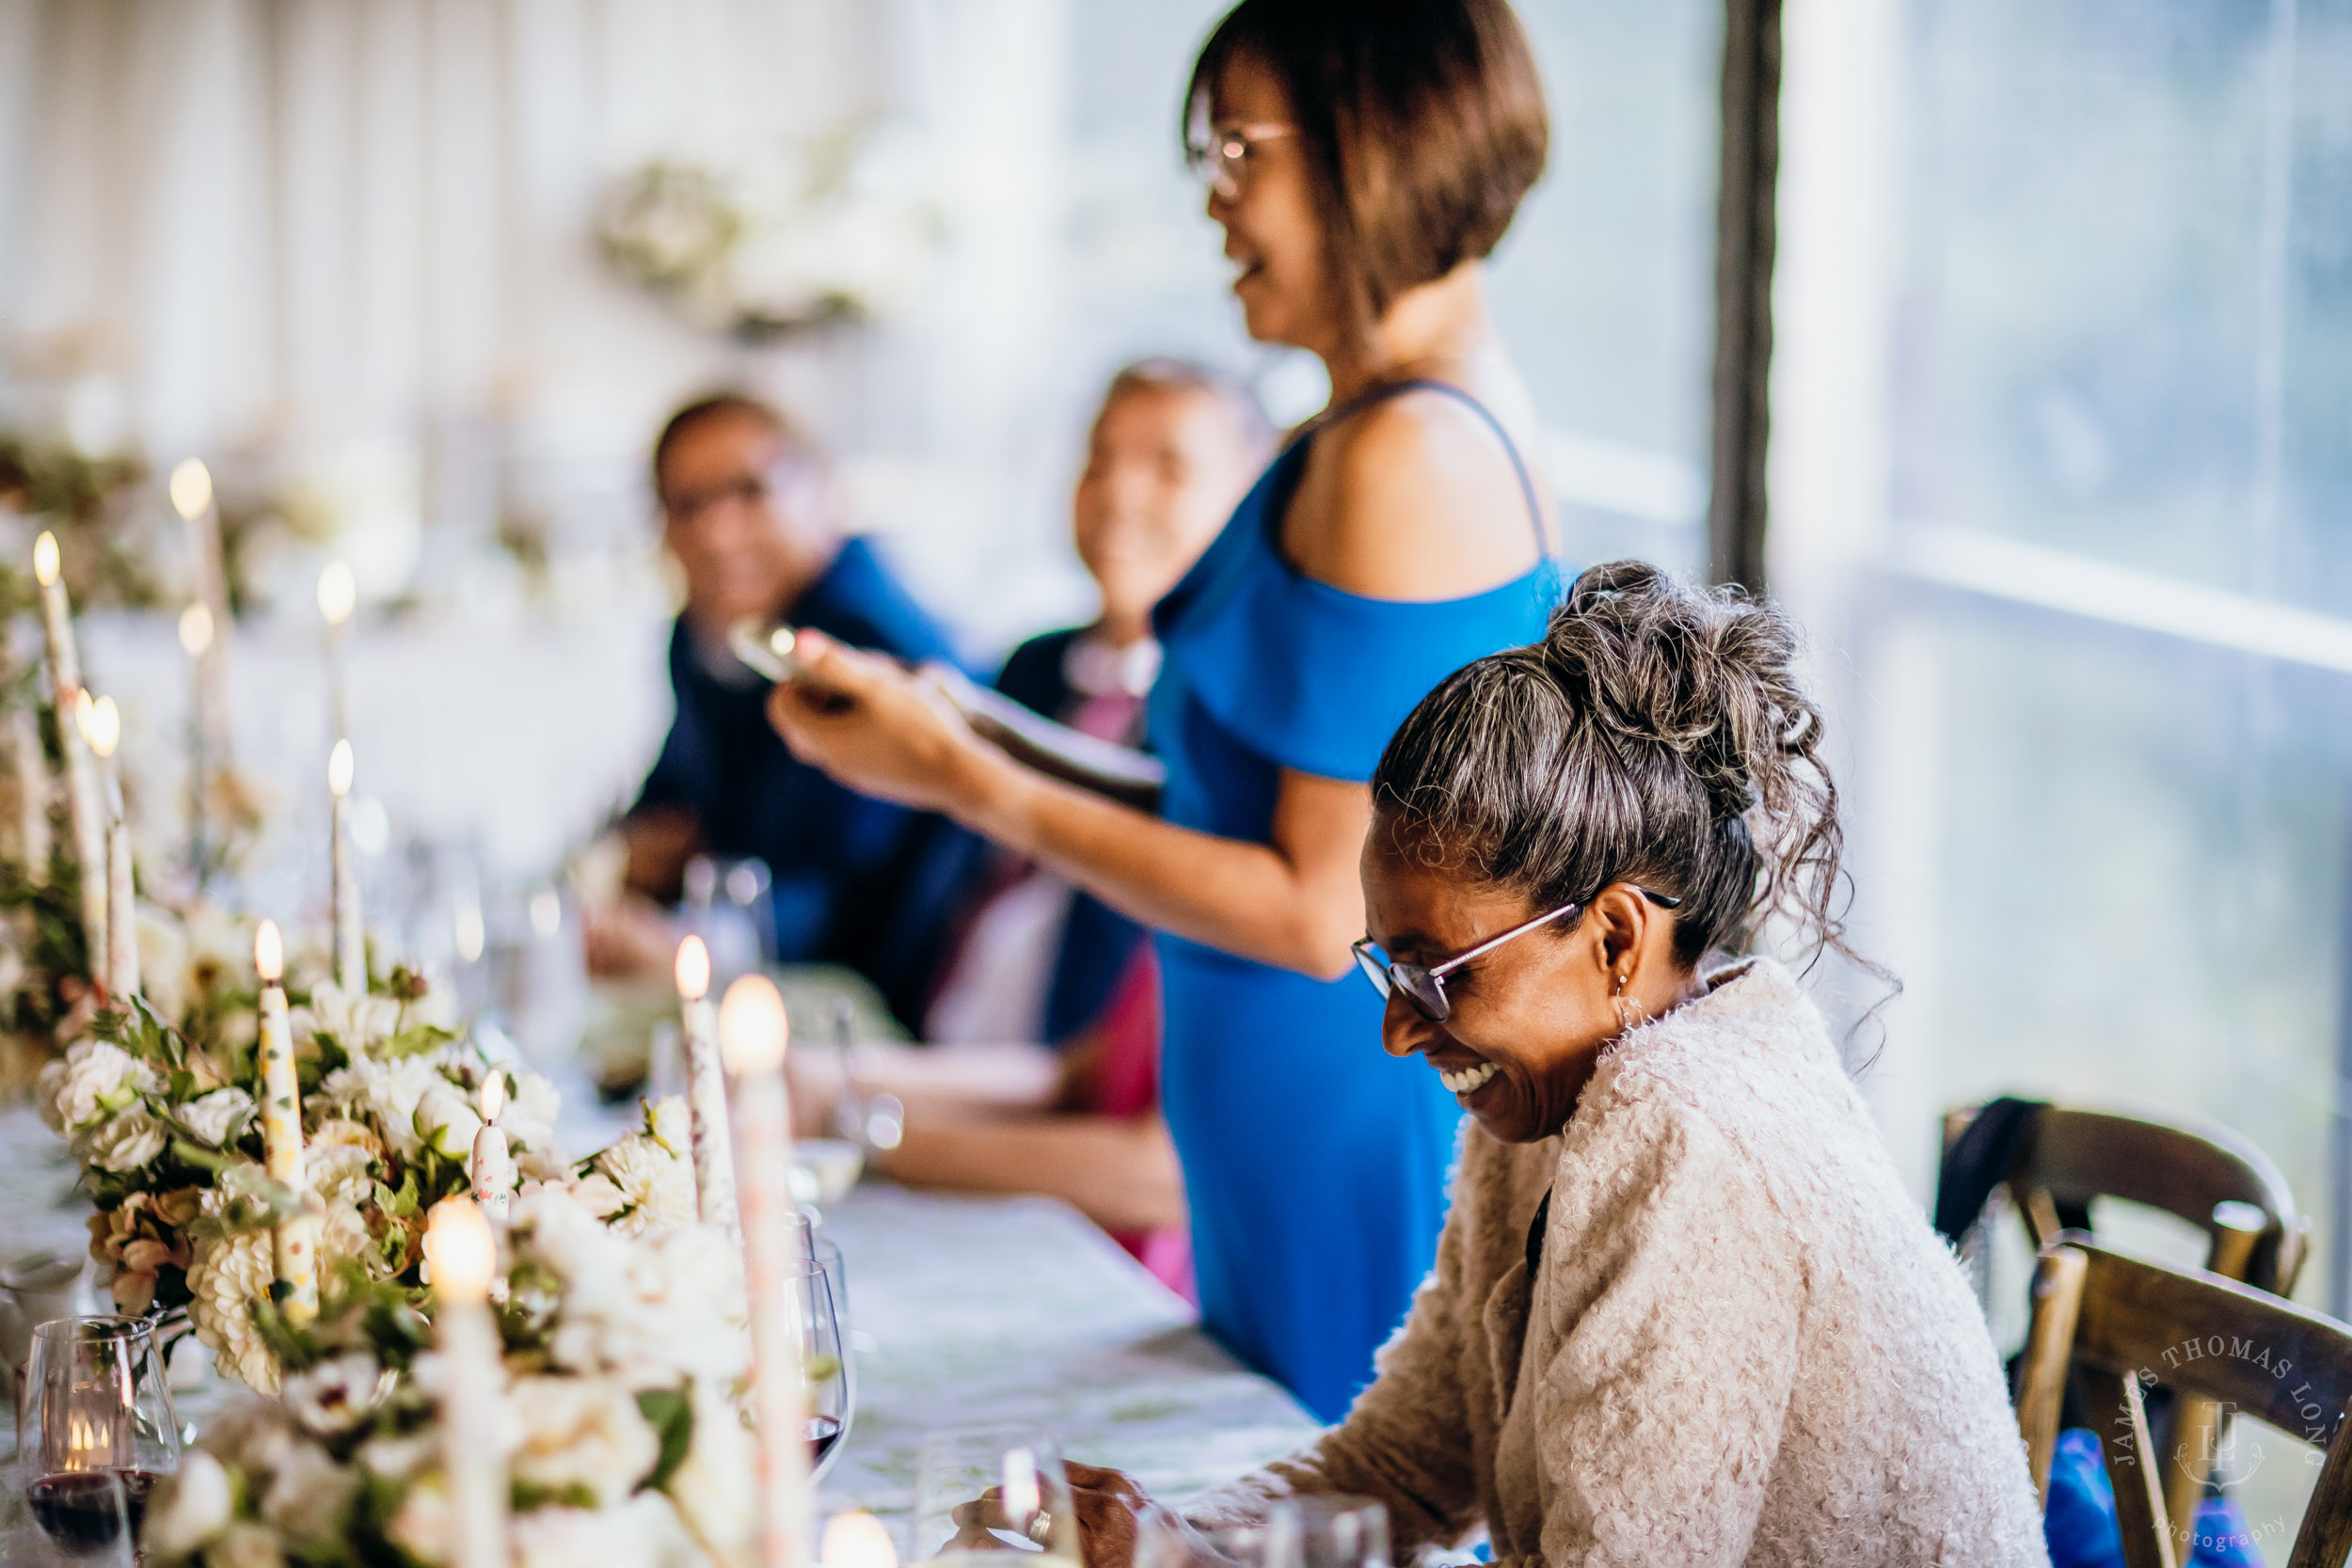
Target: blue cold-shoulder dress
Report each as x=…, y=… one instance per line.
x=1314, y=1164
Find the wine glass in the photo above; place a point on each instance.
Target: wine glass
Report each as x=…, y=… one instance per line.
x=96, y=1427
x=88, y=1525
x=828, y=1368
x=993, y=1498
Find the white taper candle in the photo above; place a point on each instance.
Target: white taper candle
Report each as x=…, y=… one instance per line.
x=752, y=1034
x=463, y=1254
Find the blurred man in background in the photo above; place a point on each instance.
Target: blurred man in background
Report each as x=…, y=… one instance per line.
x=1078, y=1116
x=748, y=511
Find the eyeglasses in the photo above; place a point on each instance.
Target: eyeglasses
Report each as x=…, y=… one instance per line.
x=1424, y=984
x=1219, y=158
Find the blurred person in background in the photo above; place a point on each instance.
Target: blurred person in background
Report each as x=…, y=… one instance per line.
x=1362, y=157
x=749, y=513
x=1172, y=448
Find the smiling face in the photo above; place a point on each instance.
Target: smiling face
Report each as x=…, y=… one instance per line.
x=1272, y=227
x=1165, y=465
x=1528, y=1021
x=746, y=515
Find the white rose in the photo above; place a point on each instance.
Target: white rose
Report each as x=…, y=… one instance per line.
x=582, y=1431
x=217, y=1116
x=310, y=1495
x=382, y=1095
x=127, y=1142
x=93, y=1079
x=529, y=1119
x=188, y=1508
x=445, y=1121
x=339, y=1173
x=358, y=1020
x=227, y=1275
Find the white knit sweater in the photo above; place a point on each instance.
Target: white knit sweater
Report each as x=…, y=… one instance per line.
x=1744, y=1344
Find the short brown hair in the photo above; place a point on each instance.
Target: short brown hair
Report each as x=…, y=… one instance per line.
x=729, y=403
x=1422, y=123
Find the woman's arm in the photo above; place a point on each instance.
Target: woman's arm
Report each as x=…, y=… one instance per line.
x=1120, y=1173
x=1295, y=901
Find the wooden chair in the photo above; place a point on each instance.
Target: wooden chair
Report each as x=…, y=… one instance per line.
x=2117, y=1326
x=2200, y=1171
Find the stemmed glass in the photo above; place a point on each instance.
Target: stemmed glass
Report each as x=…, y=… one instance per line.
x=828, y=1368
x=95, y=1430
x=826, y=1257
x=993, y=1498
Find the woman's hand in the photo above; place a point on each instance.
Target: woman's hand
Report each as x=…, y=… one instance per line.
x=876, y=727
x=1115, y=1515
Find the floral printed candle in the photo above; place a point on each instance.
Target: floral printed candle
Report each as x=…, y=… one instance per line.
x=753, y=1032
x=296, y=1246
x=463, y=1255
x=81, y=774
x=492, y=1169
x=705, y=1089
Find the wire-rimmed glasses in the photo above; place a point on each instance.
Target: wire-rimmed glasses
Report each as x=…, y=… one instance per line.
x=1219, y=155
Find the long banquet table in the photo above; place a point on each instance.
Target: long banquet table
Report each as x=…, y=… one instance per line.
x=977, y=1310
x=963, y=1311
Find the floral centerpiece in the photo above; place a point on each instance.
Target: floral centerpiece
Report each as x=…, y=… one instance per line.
x=172, y=1150
x=841, y=228
x=623, y=1444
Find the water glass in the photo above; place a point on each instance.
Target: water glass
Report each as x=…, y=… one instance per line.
x=1322, y=1530
x=95, y=1425
x=993, y=1496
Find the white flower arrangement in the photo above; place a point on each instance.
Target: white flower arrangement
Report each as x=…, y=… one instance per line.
x=622, y=1441
x=841, y=228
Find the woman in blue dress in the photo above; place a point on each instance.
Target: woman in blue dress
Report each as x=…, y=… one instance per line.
x=1362, y=157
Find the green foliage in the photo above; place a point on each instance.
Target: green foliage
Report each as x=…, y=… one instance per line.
x=671, y=1414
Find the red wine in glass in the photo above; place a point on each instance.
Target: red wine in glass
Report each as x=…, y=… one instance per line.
x=77, y=1507
x=823, y=1433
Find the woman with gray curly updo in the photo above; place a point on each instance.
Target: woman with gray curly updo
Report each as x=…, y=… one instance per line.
x=1684, y=1309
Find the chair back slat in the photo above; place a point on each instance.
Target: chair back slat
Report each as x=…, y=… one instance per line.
x=2206, y=1337
x=2078, y=1154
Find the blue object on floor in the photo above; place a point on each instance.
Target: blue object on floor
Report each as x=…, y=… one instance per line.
x=2080, y=1528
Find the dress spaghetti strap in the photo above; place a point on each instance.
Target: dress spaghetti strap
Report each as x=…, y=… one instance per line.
x=1382, y=392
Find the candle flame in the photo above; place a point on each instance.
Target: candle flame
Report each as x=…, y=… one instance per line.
x=195, y=629
x=338, y=594
x=45, y=558
x=339, y=766
x=493, y=1098
x=461, y=1250
x=269, y=952
x=191, y=488
x=100, y=721
x=694, y=969
x=857, y=1540
x=752, y=1029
